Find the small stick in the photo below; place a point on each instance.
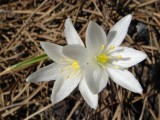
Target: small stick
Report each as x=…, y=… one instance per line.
x=74, y=108
x=147, y=3
x=41, y=110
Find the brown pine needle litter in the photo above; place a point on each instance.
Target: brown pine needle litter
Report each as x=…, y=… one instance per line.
x=24, y=23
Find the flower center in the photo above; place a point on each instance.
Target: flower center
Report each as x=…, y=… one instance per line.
x=102, y=58
x=75, y=65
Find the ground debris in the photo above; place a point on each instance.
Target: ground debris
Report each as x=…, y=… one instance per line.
x=24, y=23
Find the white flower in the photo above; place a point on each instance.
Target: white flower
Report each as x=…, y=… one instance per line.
x=105, y=58
x=65, y=71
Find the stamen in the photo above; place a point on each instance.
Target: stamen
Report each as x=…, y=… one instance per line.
x=102, y=47
x=119, y=57
x=116, y=67
x=72, y=74
x=74, y=65
x=112, y=47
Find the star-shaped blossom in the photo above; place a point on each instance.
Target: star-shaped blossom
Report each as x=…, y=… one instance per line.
x=66, y=71
x=104, y=57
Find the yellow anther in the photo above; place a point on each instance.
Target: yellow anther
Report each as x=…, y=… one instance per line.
x=102, y=47
x=75, y=65
x=112, y=47
x=102, y=58
x=116, y=67
x=119, y=57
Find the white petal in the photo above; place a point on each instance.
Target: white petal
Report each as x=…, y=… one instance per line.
x=53, y=51
x=46, y=73
x=71, y=34
x=118, y=32
x=90, y=98
x=96, y=78
x=130, y=56
x=95, y=38
x=64, y=86
x=76, y=52
x=125, y=79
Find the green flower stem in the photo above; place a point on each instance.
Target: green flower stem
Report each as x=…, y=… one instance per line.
x=25, y=63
